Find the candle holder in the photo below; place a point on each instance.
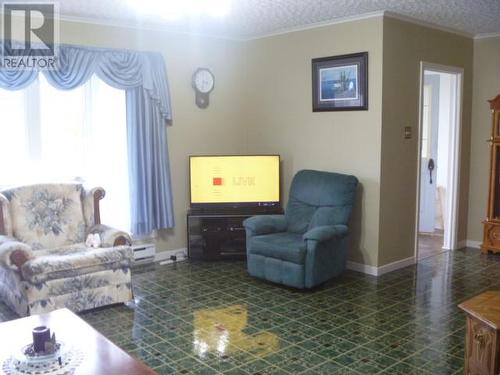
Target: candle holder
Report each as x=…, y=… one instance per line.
x=43, y=343
x=57, y=358
x=41, y=335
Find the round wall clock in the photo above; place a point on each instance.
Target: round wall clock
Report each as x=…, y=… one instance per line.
x=203, y=84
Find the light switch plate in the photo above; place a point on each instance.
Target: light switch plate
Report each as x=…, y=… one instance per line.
x=408, y=132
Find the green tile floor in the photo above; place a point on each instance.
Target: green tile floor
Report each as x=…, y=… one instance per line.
x=212, y=318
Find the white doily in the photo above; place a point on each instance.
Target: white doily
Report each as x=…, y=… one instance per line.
x=71, y=358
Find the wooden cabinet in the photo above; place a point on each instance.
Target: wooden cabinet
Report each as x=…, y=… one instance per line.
x=218, y=236
x=491, y=236
x=482, y=344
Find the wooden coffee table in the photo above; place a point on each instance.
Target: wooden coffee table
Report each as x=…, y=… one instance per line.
x=100, y=356
x=482, y=337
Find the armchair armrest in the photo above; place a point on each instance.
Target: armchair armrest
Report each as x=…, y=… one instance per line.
x=110, y=236
x=263, y=224
x=326, y=232
x=4, y=220
x=91, y=198
x=13, y=254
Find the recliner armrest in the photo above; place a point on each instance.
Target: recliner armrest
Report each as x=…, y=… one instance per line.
x=13, y=254
x=263, y=224
x=110, y=236
x=326, y=232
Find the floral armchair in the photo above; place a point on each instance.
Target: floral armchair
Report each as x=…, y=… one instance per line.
x=44, y=261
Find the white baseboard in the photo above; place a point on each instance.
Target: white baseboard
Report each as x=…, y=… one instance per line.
x=473, y=244
x=363, y=268
x=162, y=256
x=378, y=271
x=386, y=268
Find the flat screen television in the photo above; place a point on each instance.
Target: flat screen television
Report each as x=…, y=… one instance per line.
x=234, y=181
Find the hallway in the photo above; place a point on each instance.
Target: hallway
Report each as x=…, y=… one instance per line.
x=430, y=244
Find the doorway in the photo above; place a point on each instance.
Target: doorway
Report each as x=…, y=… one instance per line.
x=439, y=155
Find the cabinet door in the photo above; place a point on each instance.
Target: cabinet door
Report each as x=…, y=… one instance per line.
x=496, y=125
x=216, y=237
x=196, y=244
x=480, y=351
x=494, y=201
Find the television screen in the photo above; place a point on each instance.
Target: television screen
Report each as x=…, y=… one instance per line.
x=252, y=180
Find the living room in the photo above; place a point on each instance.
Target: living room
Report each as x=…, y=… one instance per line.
x=388, y=312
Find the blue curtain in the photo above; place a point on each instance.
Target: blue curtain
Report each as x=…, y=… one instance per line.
x=143, y=76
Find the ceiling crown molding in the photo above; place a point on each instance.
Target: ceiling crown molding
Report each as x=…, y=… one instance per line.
x=148, y=26
x=316, y=25
x=159, y=27
x=429, y=25
x=364, y=16
x=487, y=35
x=138, y=25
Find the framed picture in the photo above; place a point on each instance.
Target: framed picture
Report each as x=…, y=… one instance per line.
x=340, y=83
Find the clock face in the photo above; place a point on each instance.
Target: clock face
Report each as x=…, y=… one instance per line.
x=203, y=81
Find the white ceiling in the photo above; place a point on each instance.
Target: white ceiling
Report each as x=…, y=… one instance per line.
x=254, y=18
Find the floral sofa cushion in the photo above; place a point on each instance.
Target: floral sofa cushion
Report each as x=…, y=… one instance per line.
x=73, y=261
x=47, y=216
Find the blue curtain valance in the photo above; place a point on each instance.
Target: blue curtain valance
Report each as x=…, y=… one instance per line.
x=143, y=76
x=122, y=69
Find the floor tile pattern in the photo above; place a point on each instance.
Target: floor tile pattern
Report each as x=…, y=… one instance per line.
x=212, y=318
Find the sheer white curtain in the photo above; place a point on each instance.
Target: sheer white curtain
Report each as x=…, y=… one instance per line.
x=51, y=135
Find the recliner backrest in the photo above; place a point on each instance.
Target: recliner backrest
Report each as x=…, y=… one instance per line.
x=47, y=215
x=319, y=198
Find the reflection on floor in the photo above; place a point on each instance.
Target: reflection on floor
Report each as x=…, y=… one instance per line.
x=221, y=331
x=404, y=322
x=430, y=244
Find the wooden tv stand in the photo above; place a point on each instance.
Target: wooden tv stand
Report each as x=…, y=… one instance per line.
x=219, y=235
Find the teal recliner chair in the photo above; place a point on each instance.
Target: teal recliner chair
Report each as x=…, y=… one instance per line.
x=307, y=245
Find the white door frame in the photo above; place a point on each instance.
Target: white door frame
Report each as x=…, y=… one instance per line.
x=451, y=238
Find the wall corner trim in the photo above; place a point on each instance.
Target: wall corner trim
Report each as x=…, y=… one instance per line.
x=379, y=271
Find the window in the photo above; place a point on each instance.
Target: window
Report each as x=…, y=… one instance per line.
x=52, y=135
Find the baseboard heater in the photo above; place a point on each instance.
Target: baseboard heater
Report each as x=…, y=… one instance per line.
x=144, y=253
